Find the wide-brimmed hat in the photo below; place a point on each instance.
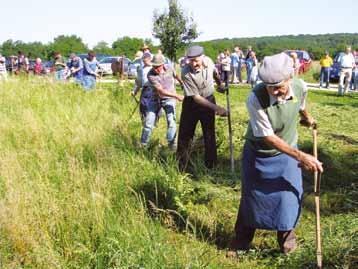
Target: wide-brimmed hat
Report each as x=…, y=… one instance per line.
x=275, y=69
x=158, y=60
x=145, y=47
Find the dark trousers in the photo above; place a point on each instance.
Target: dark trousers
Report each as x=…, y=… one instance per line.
x=225, y=75
x=244, y=236
x=190, y=115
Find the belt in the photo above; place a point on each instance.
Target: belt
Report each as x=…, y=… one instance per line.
x=211, y=96
x=346, y=67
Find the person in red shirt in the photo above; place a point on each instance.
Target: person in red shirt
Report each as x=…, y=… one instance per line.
x=38, y=68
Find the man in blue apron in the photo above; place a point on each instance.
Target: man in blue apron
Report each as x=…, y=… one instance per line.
x=271, y=192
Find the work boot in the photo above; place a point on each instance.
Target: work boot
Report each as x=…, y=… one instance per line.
x=242, y=241
x=287, y=241
x=238, y=246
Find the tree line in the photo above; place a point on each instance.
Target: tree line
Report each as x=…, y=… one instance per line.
x=66, y=44
x=316, y=45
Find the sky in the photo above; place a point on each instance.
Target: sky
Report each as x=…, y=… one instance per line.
x=107, y=20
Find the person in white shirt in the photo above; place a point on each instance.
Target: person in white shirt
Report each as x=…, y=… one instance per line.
x=254, y=69
x=3, y=73
x=236, y=57
x=347, y=63
x=225, y=62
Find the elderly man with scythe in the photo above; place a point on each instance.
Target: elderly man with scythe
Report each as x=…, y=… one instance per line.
x=271, y=193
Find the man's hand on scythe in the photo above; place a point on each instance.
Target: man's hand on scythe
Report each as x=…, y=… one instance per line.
x=220, y=111
x=221, y=88
x=307, y=120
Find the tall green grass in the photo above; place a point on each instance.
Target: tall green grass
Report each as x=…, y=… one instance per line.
x=312, y=75
x=76, y=190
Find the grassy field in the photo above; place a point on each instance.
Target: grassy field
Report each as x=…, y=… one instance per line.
x=76, y=190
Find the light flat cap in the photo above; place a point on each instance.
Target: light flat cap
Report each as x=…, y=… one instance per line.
x=276, y=69
x=194, y=51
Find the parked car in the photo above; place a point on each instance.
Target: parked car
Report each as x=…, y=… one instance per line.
x=82, y=55
x=334, y=72
x=99, y=56
x=32, y=65
x=48, y=66
x=305, y=60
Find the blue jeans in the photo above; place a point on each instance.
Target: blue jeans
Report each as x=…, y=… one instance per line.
x=79, y=80
x=60, y=75
x=169, y=107
x=324, y=76
x=89, y=82
x=248, y=72
x=149, y=121
x=151, y=115
x=354, y=83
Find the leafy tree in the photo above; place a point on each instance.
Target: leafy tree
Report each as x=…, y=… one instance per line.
x=103, y=47
x=128, y=46
x=32, y=49
x=68, y=44
x=8, y=48
x=174, y=29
